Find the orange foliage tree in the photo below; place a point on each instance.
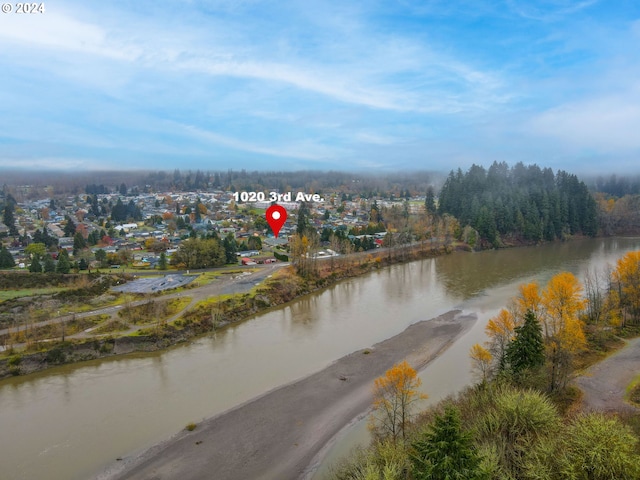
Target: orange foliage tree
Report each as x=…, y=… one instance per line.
x=625, y=291
x=563, y=303
x=394, y=395
x=528, y=299
x=500, y=330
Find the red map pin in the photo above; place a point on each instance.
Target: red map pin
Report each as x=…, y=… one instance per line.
x=276, y=216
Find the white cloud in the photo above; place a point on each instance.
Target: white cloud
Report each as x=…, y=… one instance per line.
x=53, y=30
x=304, y=150
x=607, y=124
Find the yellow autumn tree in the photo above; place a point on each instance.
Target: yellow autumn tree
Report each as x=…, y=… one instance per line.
x=481, y=362
x=394, y=396
x=500, y=330
x=528, y=299
x=562, y=304
x=625, y=289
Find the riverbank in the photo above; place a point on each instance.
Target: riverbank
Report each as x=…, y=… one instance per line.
x=213, y=314
x=278, y=434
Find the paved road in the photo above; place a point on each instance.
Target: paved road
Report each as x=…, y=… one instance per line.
x=604, y=384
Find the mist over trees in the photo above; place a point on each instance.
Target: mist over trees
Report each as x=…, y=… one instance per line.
x=520, y=201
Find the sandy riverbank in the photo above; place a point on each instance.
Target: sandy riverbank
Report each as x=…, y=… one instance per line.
x=277, y=435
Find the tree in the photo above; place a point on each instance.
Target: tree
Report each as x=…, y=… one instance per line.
x=123, y=189
x=500, y=330
x=529, y=299
x=70, y=227
x=303, y=219
x=394, y=396
x=430, y=202
x=564, y=335
x=64, y=265
x=35, y=266
x=49, y=266
x=254, y=243
x=481, y=361
x=9, y=219
x=446, y=452
x=526, y=350
x=230, y=248
x=101, y=256
x=6, y=259
x=626, y=283
x=79, y=243
x=162, y=263
x=198, y=253
x=36, y=250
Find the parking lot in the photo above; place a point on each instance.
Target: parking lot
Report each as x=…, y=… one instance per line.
x=155, y=284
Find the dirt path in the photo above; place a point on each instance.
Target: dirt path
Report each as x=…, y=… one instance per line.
x=278, y=434
x=604, y=384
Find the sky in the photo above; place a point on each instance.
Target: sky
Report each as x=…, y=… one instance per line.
x=360, y=85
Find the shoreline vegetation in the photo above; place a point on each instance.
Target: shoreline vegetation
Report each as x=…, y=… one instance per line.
x=211, y=314
x=528, y=417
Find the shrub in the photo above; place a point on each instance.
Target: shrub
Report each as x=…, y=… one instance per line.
x=599, y=448
x=14, y=361
x=515, y=422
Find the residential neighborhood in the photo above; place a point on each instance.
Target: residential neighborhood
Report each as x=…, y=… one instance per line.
x=125, y=228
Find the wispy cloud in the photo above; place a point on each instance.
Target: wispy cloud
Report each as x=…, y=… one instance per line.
x=300, y=150
x=548, y=11
x=350, y=83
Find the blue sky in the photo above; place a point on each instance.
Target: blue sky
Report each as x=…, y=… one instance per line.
x=350, y=85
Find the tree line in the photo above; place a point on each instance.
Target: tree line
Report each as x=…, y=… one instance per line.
x=524, y=202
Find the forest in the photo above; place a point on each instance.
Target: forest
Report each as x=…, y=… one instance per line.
x=524, y=202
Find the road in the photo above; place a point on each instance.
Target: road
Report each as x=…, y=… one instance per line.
x=604, y=384
x=223, y=285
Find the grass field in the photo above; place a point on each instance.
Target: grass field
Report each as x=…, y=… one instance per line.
x=29, y=292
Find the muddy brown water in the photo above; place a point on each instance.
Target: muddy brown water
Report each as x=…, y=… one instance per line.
x=70, y=423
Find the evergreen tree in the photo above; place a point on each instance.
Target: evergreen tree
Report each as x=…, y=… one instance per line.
x=9, y=219
x=446, y=452
x=230, y=248
x=35, y=266
x=430, y=200
x=526, y=350
x=101, y=256
x=6, y=259
x=49, y=266
x=162, y=264
x=64, y=265
x=70, y=227
x=303, y=219
x=78, y=243
x=82, y=264
x=119, y=212
x=254, y=243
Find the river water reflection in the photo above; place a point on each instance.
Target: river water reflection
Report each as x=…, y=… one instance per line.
x=70, y=422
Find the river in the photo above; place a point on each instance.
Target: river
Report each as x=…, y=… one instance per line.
x=70, y=422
